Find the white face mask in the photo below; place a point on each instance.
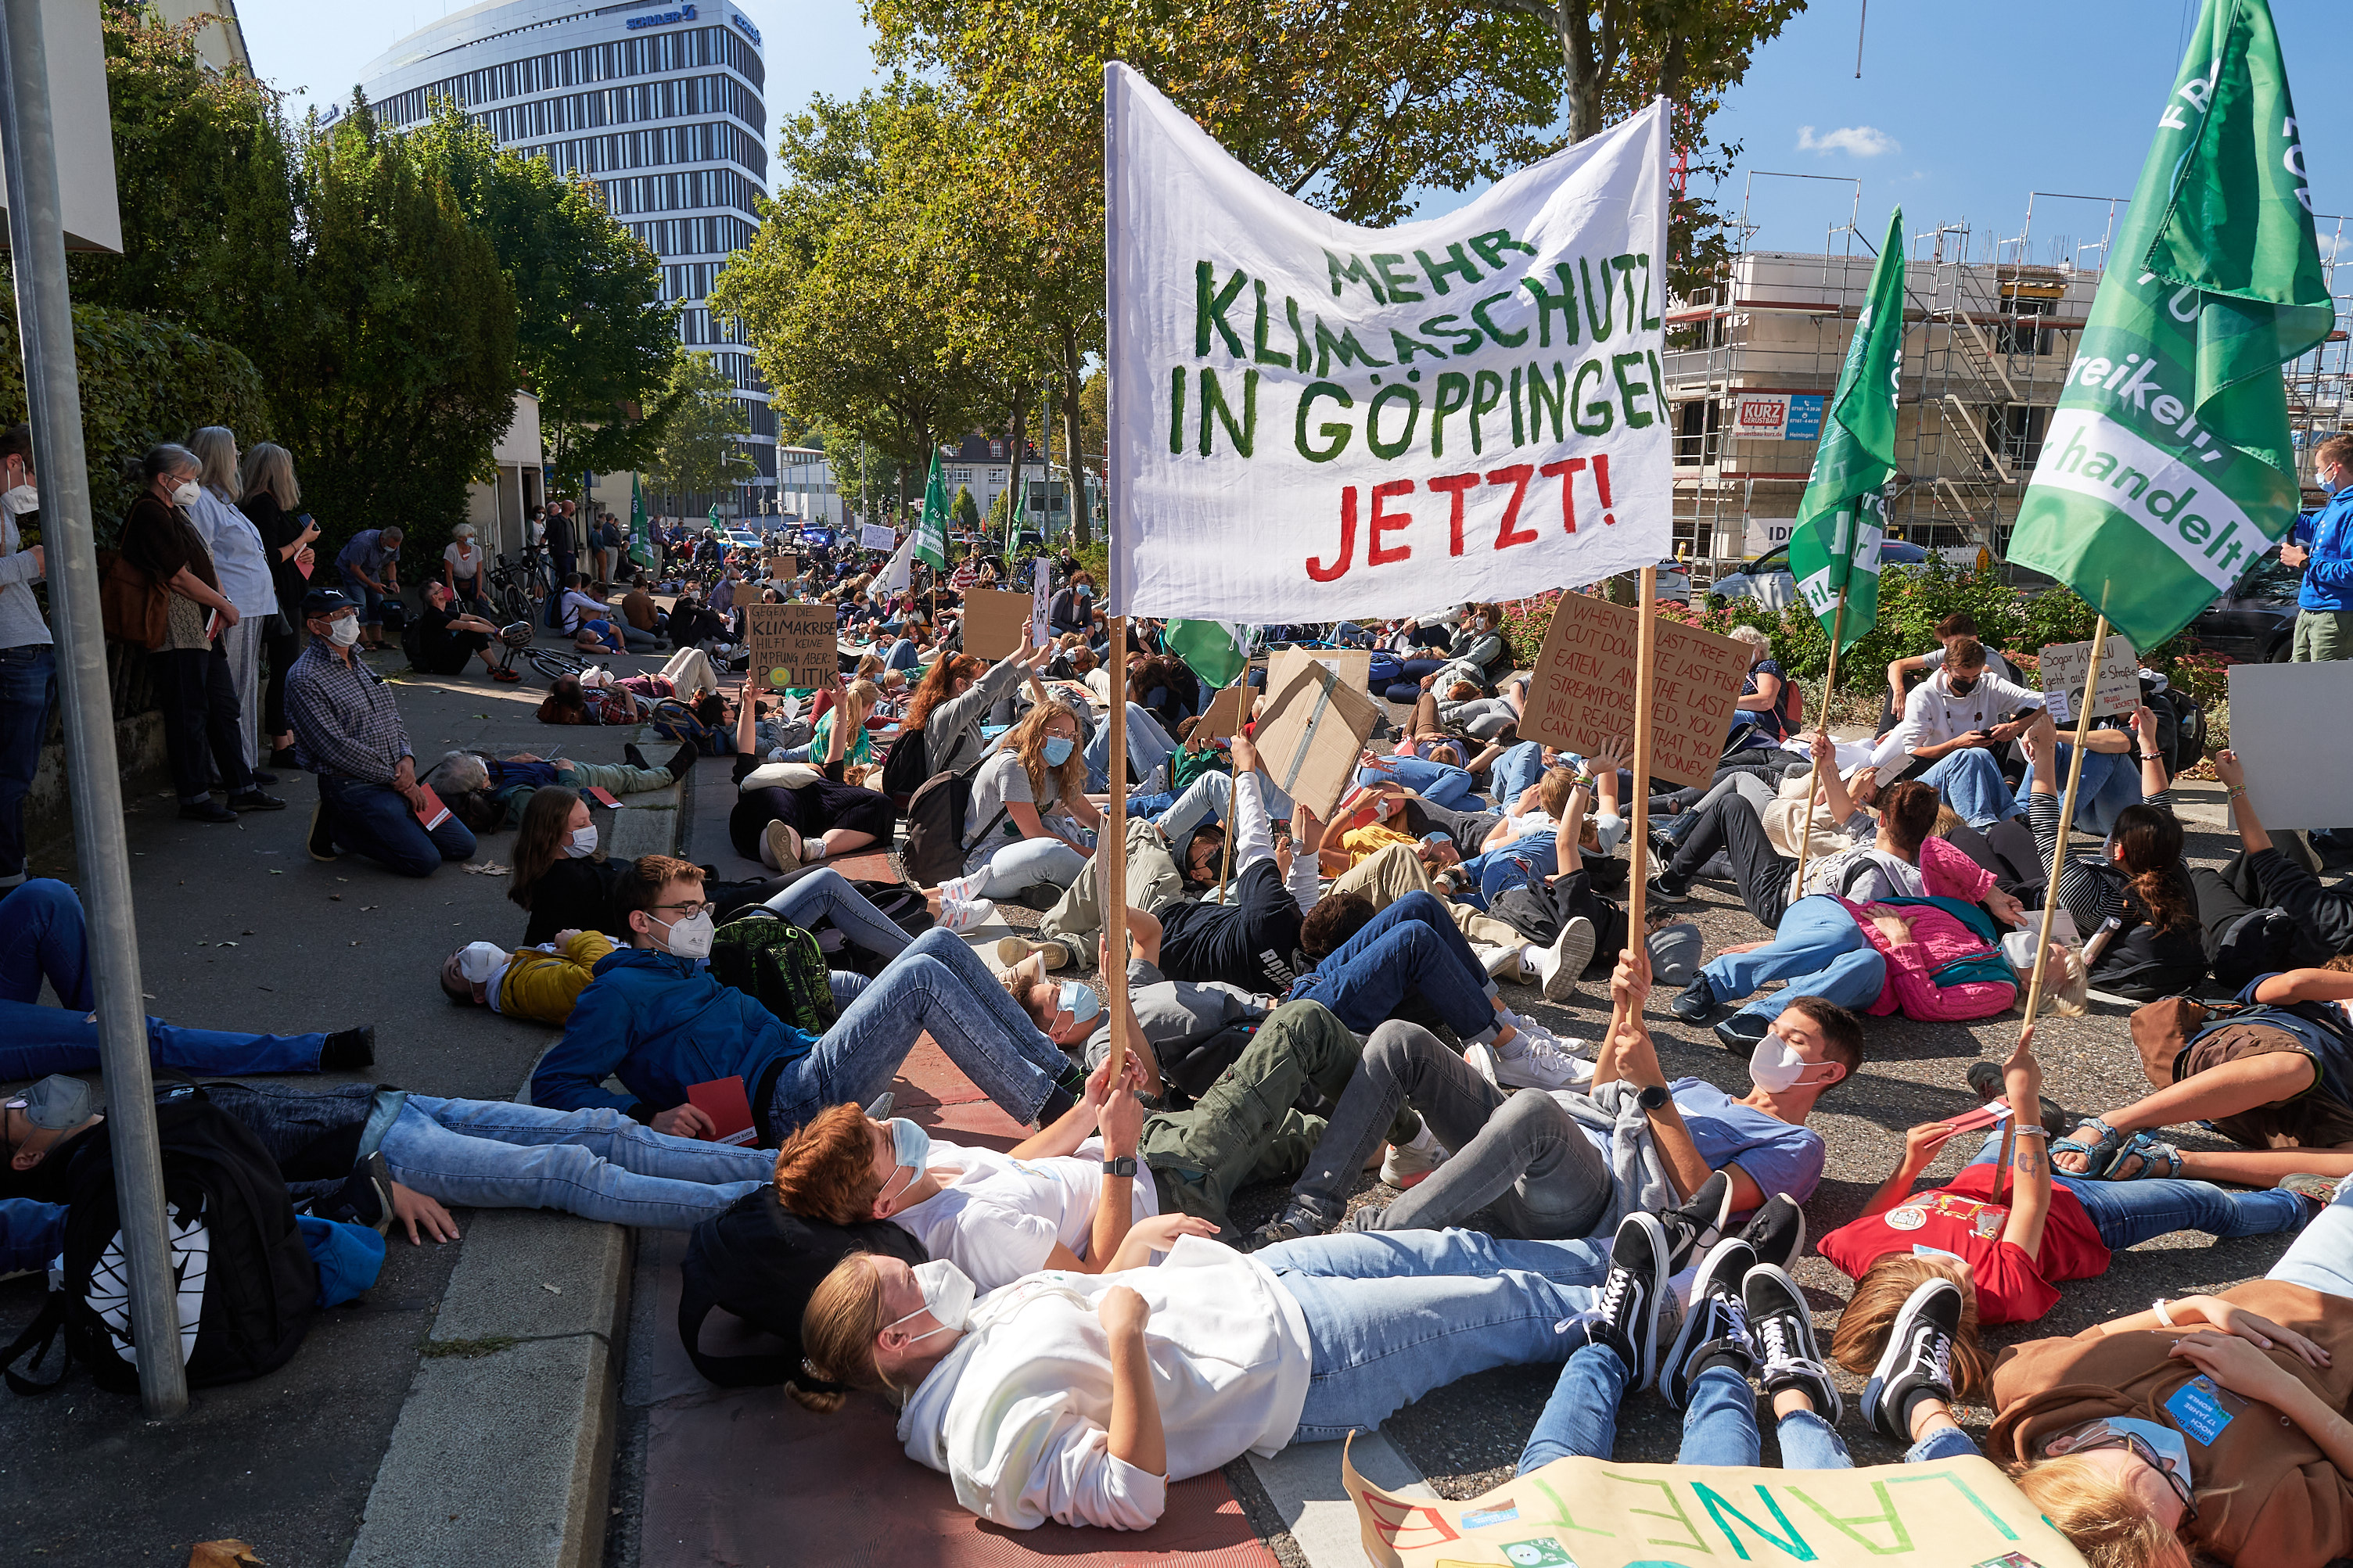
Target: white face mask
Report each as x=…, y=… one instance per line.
x=344, y=631
x=583, y=844
x=478, y=960
x=186, y=492
x=691, y=938
x=1775, y=1065
x=21, y=499
x=947, y=1297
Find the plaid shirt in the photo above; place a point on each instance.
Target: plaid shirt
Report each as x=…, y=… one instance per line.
x=345, y=720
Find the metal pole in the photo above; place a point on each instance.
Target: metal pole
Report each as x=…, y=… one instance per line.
x=53, y=396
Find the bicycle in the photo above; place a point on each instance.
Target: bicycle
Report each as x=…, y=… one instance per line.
x=555, y=663
x=512, y=584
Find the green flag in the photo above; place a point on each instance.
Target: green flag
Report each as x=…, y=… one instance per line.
x=641, y=545
x=932, y=534
x=1213, y=649
x=2167, y=469
x=1834, y=546
x=714, y=514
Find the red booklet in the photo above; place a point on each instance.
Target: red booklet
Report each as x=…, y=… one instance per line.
x=432, y=814
x=602, y=797
x=730, y=1109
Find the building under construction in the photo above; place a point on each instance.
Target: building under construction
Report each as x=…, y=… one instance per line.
x=1989, y=334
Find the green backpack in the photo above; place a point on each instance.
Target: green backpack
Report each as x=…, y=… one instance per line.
x=778, y=965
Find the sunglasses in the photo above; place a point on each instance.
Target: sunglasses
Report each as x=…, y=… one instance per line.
x=2111, y=1438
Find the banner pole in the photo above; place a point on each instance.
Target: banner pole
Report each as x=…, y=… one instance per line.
x=2051, y=887
x=1637, y=833
x=1114, y=854
x=1822, y=723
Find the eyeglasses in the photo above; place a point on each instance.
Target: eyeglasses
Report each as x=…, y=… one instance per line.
x=2112, y=1438
x=688, y=911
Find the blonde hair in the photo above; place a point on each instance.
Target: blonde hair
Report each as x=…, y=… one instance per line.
x=2102, y=1517
x=1880, y=1295
x=1027, y=740
x=868, y=665
x=1948, y=819
x=215, y=446
x=837, y=1330
x=269, y=469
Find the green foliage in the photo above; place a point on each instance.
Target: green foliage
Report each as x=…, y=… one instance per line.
x=965, y=508
x=695, y=450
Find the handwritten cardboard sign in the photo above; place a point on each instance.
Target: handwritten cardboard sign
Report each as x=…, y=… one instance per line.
x=792, y=645
x=1312, y=732
x=878, y=536
x=2062, y=667
x=779, y=568
x=1583, y=692
x=996, y=623
x=1040, y=599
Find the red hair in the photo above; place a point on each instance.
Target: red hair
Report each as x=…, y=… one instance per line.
x=826, y=1171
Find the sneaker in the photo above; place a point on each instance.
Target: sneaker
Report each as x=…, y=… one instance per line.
x=1485, y=1062
x=348, y=1050
x=1698, y=1225
x=1776, y=1230
x=1741, y=1032
x=1057, y=952
x=1717, y=1323
x=1696, y=1002
x=1407, y=1164
x=1918, y=1358
x=1543, y=1061
x=962, y=889
x=1783, y=1330
x=1298, y=1219
x=961, y=918
x=321, y=841
x=783, y=843
x=1985, y=1082
x=1627, y=1319
x=880, y=1107
x=1562, y=964
x=1666, y=890
x=2314, y=1188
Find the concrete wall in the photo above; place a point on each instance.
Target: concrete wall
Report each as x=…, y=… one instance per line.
x=138, y=747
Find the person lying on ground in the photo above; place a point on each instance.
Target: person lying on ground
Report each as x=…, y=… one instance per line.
x=2265, y=908
x=656, y=1019
x=1563, y=1164
x=2133, y=899
x=490, y=793
x=2120, y=1430
x=375, y=1155
x=1952, y=722
x=1524, y=846
x=571, y=700
x=1948, y=631
x=789, y=814
x=536, y=983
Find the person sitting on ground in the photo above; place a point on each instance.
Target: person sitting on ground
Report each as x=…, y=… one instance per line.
x=956, y=695
x=1901, y=672
x=1477, y=653
x=1556, y=1164
x=536, y=983
x=658, y=1020
x=585, y=618
x=788, y=815
x=556, y=876
x=2265, y=908
x=1767, y=695
x=347, y=731
x=493, y=793
x=447, y=636
x=378, y=1156
x=1022, y=830
x=1951, y=723
x=641, y=616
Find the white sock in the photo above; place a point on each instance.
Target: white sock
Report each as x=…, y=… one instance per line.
x=1424, y=1142
x=1531, y=956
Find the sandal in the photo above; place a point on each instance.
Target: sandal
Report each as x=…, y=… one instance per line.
x=2100, y=1156
x=2146, y=1147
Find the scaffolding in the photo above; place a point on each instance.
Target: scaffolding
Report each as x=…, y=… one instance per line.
x=1989, y=332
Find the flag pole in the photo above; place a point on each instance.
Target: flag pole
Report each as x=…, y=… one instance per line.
x=1226, y=852
x=1114, y=856
x=1822, y=723
x=1637, y=833
x=2051, y=887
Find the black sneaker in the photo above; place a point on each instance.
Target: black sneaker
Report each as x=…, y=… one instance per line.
x=1717, y=1324
x=1741, y=1032
x=348, y=1050
x=364, y=1199
x=1783, y=1329
x=634, y=757
x=1985, y=1082
x=1667, y=891
x=1627, y=1320
x=320, y=842
x=206, y=810
x=1696, y=1002
x=1698, y=1224
x=682, y=759
x=1918, y=1358
x=1776, y=1230
x=1298, y=1219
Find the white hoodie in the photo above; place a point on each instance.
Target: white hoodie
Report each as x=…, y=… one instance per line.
x=1933, y=714
x=1017, y=1414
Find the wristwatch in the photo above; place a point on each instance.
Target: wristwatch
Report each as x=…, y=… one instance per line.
x=1652, y=1097
x=1123, y=1166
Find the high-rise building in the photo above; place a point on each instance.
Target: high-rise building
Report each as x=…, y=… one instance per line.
x=659, y=104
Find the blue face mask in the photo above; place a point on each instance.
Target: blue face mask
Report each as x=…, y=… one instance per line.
x=1080, y=1001
x=1083, y=592
x=910, y=1148
x=1058, y=751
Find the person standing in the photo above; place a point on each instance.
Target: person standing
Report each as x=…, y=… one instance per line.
x=200, y=700
x=242, y=560
x=271, y=494
x=2324, y=606
x=28, y=664
x=560, y=556
x=370, y=565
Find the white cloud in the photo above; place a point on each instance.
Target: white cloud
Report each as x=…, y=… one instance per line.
x=1863, y=141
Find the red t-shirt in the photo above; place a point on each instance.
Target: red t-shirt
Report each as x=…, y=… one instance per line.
x=1957, y=1220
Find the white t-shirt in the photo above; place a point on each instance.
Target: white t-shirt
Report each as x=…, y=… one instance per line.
x=997, y=1217
x=463, y=562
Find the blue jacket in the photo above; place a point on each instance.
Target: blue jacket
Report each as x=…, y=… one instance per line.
x=659, y=1023
x=2328, y=575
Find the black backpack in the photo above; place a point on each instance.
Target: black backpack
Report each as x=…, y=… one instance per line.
x=763, y=1264
x=935, y=842
x=905, y=766
x=248, y=1288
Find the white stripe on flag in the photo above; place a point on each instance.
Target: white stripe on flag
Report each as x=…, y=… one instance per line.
x=2091, y=454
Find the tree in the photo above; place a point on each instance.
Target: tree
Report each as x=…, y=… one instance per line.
x=966, y=510
x=696, y=450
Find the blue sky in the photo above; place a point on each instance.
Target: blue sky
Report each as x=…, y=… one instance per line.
x=1961, y=110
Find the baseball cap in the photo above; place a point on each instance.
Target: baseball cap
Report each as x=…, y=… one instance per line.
x=326, y=602
x=56, y=1103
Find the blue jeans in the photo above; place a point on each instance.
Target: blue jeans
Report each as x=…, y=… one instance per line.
x=2127, y=1213
x=826, y=894
x=1437, y=782
x=939, y=987
x=1516, y=770
x=42, y=937
x=36, y=1041
x=370, y=602
x=1419, y=1254
x=2322, y=1257
x=638, y=641
x=1416, y=908
x=1818, y=950
x=2111, y=782
x=1971, y=782
x=901, y=656
x=28, y=695
x=1148, y=745
x=1526, y=859
x=372, y=820
x=30, y=1234
x=1027, y=863
x=1366, y=988
x=600, y=1163
x=1209, y=797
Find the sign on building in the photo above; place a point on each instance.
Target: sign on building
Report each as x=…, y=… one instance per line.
x=1766, y=534
x=1778, y=416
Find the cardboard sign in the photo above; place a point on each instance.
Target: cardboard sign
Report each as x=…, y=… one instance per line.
x=1313, y=730
x=995, y=622
x=792, y=645
x=1595, y=1513
x=1225, y=714
x=2062, y=667
x=729, y=1107
x=1583, y=693
x=878, y=536
x=780, y=568
x=1040, y=597
x=2285, y=727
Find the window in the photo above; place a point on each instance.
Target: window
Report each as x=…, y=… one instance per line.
x=2015, y=432
x=1698, y=424
x=996, y=448
x=2016, y=334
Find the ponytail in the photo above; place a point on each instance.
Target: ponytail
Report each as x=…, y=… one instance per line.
x=2151, y=842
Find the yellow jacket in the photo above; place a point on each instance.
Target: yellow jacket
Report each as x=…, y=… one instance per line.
x=544, y=985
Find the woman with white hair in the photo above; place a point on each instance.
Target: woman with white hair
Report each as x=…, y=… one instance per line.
x=461, y=570
x=242, y=560
x=1767, y=695
x=271, y=495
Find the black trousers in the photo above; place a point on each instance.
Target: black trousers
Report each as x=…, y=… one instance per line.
x=281, y=650
x=1731, y=825
x=200, y=711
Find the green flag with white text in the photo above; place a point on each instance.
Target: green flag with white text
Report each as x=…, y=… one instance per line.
x=2167, y=468
x=641, y=545
x=1834, y=546
x=932, y=534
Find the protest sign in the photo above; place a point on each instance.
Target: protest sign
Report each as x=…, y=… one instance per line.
x=878, y=536
x=1311, y=420
x=1583, y=691
x=792, y=645
x=996, y=623
x=1596, y=1513
x=1225, y=714
x=2062, y=665
x=780, y=568
x=2297, y=759
x=1040, y=597
x=1313, y=733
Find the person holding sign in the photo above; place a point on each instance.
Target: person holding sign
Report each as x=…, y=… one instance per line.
x=2265, y=910
x=956, y=695
x=788, y=815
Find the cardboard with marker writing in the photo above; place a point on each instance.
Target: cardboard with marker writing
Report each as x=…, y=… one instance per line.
x=1582, y=695
x=996, y=623
x=2062, y=667
x=1313, y=729
x=793, y=645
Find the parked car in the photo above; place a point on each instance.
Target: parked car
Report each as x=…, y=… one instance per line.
x=2255, y=620
x=1766, y=578
x=1674, y=581
x=740, y=538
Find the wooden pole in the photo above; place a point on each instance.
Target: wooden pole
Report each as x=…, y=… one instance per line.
x=1638, y=832
x=2050, y=890
x=1814, y=779
x=1114, y=854
x=1226, y=850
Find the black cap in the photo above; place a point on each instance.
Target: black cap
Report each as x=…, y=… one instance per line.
x=326, y=602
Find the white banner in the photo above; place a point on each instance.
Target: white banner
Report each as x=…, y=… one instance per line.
x=1311, y=420
x=1040, y=598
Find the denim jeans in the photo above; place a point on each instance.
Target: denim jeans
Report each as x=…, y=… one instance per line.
x=1515, y=772
x=1404, y=1254
x=1414, y=909
x=36, y=1041
x=901, y=656
x=598, y=1164
x=42, y=937
x=939, y=987
x=371, y=603
x=1209, y=797
x=826, y=894
x=1406, y=960
x=1024, y=864
x=1522, y=861
x=30, y=1234
x=1447, y=786
x=1971, y=782
x=2111, y=782
x=372, y=820
x=2128, y=1213
x=1818, y=950
x=28, y=695
x=1148, y=746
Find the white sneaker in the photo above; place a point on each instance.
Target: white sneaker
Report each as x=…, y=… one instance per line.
x=1482, y=1061
x=960, y=917
x=782, y=841
x=1563, y=963
x=959, y=892
x=1543, y=1062
x=1406, y=1164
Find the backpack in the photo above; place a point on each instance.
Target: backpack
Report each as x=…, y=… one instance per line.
x=778, y=965
x=763, y=1264
x=905, y=766
x=247, y=1287
x=675, y=722
x=935, y=812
